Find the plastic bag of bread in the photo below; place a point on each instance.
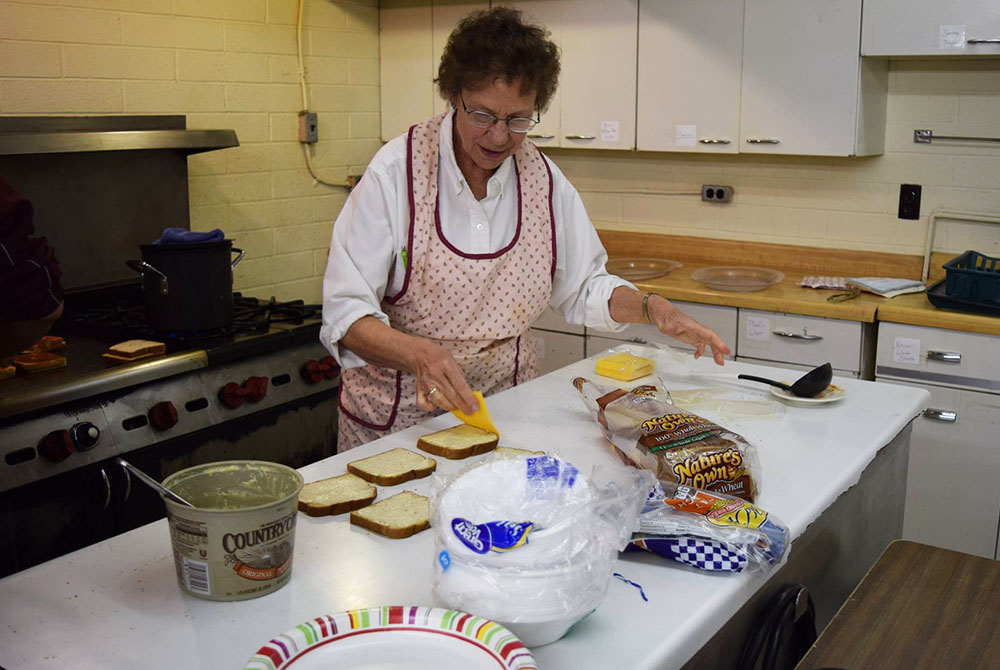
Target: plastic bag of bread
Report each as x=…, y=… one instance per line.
x=679, y=447
x=709, y=531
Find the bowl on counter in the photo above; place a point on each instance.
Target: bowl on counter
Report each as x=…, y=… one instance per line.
x=737, y=278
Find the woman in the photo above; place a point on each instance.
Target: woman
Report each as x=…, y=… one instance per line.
x=459, y=236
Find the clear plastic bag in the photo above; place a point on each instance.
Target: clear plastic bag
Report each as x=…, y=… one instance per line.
x=530, y=539
x=678, y=446
x=709, y=531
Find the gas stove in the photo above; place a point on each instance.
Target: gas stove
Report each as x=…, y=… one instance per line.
x=56, y=421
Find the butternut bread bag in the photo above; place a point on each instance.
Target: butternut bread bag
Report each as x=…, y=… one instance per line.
x=678, y=446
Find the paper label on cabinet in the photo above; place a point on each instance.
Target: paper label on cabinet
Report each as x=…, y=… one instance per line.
x=684, y=136
x=758, y=328
x=951, y=37
x=906, y=350
x=540, y=347
x=609, y=131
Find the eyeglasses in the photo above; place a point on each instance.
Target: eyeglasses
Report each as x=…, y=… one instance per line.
x=483, y=120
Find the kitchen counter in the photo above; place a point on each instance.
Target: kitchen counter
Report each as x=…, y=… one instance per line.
x=117, y=603
x=786, y=296
x=914, y=309
x=796, y=262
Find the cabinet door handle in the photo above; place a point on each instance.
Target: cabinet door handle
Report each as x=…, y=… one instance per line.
x=713, y=141
x=107, y=488
x=944, y=356
x=762, y=140
x=637, y=340
x=992, y=40
x=541, y=137
x=798, y=336
x=581, y=137
x=945, y=415
x=128, y=485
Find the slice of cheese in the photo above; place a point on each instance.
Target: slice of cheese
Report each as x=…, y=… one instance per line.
x=624, y=366
x=480, y=418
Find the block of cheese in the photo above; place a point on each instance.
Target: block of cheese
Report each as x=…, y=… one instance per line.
x=624, y=366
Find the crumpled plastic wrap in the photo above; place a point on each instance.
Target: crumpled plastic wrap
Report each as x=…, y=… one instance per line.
x=531, y=539
x=709, y=531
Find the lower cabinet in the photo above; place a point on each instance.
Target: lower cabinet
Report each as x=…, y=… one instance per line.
x=557, y=350
x=952, y=496
x=802, y=342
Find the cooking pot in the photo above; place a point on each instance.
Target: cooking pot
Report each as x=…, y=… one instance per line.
x=188, y=287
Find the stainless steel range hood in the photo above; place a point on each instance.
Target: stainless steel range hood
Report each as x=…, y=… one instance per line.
x=74, y=134
x=101, y=186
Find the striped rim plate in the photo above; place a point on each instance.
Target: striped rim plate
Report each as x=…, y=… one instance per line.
x=397, y=637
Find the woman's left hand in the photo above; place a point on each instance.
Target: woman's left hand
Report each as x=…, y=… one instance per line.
x=678, y=325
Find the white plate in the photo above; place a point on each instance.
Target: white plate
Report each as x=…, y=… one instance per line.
x=401, y=638
x=832, y=393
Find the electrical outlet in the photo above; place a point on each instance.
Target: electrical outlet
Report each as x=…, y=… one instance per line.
x=712, y=193
x=909, y=201
x=308, y=127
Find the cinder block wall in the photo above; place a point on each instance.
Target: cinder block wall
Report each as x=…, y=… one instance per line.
x=223, y=64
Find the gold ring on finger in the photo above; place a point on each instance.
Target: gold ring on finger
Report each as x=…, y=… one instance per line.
x=431, y=392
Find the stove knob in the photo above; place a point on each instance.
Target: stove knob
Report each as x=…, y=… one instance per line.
x=311, y=372
x=163, y=415
x=231, y=395
x=56, y=446
x=328, y=365
x=255, y=388
x=85, y=435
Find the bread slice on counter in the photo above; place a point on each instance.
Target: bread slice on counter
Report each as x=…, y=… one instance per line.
x=458, y=442
x=402, y=515
x=392, y=467
x=47, y=343
x=38, y=361
x=131, y=349
x=335, y=495
x=7, y=371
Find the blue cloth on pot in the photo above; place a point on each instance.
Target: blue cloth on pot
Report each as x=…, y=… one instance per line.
x=184, y=236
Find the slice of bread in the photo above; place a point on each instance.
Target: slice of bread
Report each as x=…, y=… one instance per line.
x=514, y=452
x=38, y=361
x=130, y=349
x=7, y=371
x=335, y=495
x=402, y=515
x=459, y=441
x=392, y=467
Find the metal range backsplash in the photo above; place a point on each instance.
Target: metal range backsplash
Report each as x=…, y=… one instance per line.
x=102, y=185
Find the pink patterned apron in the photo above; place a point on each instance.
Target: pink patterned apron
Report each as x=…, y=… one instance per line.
x=477, y=306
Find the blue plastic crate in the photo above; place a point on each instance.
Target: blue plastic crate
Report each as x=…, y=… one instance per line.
x=973, y=276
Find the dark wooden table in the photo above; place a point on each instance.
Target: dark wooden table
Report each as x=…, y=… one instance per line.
x=919, y=608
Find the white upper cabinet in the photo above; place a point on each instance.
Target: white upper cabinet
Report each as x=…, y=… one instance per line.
x=597, y=86
x=805, y=88
x=547, y=13
x=690, y=58
x=930, y=28
x=412, y=37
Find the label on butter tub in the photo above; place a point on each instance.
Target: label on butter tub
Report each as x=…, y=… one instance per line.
x=491, y=536
x=220, y=560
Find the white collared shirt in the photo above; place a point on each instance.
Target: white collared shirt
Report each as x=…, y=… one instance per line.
x=370, y=234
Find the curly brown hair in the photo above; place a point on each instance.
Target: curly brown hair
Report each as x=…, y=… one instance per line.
x=493, y=43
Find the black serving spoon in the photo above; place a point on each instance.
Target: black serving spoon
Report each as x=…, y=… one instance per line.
x=808, y=385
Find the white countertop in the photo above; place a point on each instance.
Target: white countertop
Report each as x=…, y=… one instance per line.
x=117, y=604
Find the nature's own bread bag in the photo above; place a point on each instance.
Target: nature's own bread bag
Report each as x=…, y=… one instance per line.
x=678, y=446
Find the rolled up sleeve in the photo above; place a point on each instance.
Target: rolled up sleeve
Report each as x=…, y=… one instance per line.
x=362, y=255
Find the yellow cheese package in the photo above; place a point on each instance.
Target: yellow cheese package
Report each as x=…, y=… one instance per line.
x=624, y=366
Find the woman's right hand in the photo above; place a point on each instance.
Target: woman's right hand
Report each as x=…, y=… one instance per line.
x=441, y=383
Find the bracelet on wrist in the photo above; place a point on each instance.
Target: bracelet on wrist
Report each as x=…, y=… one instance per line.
x=645, y=305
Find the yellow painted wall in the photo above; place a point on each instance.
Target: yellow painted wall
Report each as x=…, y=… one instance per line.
x=223, y=64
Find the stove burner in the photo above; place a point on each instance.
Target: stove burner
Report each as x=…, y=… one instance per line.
x=120, y=313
